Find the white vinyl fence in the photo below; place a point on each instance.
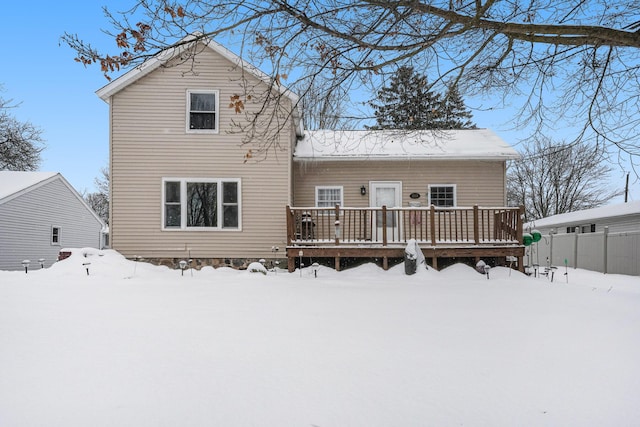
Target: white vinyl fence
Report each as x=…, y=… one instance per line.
x=615, y=253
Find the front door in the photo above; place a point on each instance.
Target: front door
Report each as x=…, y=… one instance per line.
x=389, y=194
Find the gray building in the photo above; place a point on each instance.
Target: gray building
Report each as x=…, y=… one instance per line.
x=41, y=213
x=605, y=239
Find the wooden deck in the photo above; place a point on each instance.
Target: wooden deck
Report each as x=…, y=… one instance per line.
x=343, y=232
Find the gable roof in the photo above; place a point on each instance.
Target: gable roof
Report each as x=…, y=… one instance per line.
x=13, y=183
x=586, y=215
x=458, y=144
x=165, y=56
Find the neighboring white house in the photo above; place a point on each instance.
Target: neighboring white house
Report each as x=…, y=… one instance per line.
x=41, y=213
x=620, y=217
x=605, y=239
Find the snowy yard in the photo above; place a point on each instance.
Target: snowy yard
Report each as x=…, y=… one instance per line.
x=137, y=345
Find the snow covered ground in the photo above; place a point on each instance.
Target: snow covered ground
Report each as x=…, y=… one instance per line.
x=137, y=345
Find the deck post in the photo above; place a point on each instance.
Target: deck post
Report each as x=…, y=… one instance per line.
x=384, y=225
x=476, y=234
x=290, y=227
x=519, y=232
x=432, y=223
x=291, y=264
x=337, y=225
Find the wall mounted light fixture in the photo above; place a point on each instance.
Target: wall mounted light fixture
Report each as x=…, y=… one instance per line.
x=363, y=190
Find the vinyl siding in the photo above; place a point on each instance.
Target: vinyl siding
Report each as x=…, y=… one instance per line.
x=149, y=142
x=477, y=182
x=26, y=222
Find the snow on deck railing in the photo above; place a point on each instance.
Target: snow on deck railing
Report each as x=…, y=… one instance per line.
x=382, y=225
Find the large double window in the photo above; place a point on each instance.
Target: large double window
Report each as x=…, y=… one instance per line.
x=210, y=204
x=202, y=111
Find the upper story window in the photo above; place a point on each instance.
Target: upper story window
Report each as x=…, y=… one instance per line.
x=442, y=195
x=329, y=196
x=208, y=204
x=202, y=111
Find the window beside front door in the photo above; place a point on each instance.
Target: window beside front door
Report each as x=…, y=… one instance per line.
x=205, y=204
x=442, y=195
x=329, y=196
x=202, y=111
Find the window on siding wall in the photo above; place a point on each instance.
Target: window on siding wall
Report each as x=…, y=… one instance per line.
x=209, y=204
x=329, y=196
x=442, y=195
x=202, y=111
x=55, y=235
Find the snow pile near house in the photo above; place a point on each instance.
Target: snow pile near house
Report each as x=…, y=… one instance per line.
x=135, y=344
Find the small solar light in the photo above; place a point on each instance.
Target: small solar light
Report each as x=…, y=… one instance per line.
x=86, y=266
x=486, y=270
x=183, y=265
x=41, y=261
x=25, y=264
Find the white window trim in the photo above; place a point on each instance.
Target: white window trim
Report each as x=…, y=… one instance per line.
x=216, y=112
x=59, y=236
x=455, y=193
x=331, y=187
x=183, y=206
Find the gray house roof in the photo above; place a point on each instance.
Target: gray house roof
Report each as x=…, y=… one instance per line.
x=15, y=183
x=472, y=144
x=589, y=215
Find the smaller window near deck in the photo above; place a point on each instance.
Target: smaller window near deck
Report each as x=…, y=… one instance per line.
x=329, y=197
x=55, y=235
x=442, y=195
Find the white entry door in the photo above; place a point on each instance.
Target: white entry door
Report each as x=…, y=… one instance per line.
x=389, y=194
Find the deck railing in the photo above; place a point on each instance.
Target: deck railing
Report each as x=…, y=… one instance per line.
x=393, y=226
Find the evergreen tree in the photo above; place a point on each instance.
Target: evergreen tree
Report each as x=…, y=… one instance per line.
x=408, y=104
x=455, y=114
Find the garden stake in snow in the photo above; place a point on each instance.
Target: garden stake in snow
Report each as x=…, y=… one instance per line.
x=566, y=270
x=86, y=266
x=183, y=265
x=315, y=267
x=300, y=253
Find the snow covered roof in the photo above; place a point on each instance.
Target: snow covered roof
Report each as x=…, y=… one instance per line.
x=14, y=182
x=587, y=215
x=456, y=144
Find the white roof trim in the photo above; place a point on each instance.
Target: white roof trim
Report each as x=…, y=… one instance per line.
x=163, y=57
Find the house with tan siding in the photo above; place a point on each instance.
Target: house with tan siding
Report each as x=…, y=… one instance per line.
x=184, y=182
x=197, y=173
